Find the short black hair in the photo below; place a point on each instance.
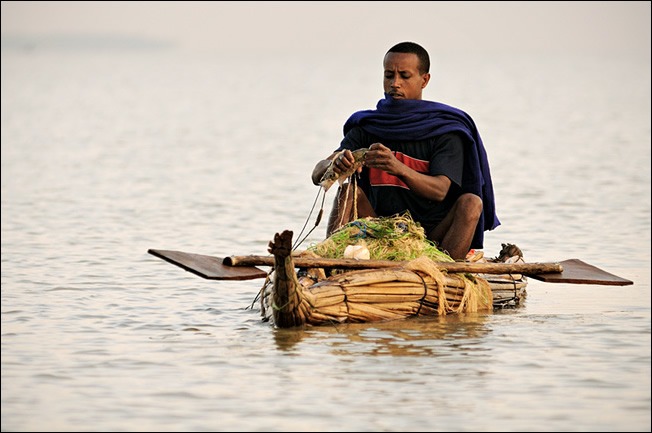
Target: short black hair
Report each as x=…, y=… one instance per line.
x=414, y=48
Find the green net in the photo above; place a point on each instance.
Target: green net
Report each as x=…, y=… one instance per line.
x=387, y=238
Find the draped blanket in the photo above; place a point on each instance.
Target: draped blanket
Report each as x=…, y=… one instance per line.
x=415, y=119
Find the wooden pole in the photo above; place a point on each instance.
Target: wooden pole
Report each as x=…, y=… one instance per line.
x=474, y=268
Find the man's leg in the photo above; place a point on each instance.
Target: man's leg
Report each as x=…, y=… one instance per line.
x=455, y=233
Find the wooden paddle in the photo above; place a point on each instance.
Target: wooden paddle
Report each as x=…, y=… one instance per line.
x=207, y=266
x=244, y=267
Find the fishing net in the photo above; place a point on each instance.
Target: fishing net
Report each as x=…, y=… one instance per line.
x=397, y=238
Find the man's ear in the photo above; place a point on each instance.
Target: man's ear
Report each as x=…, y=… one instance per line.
x=426, y=79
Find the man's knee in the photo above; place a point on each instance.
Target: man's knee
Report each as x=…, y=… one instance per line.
x=470, y=206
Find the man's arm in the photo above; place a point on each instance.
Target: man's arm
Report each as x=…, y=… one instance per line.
x=434, y=188
x=320, y=169
x=344, y=162
x=431, y=187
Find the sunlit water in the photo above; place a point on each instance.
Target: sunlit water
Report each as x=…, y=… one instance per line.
x=107, y=155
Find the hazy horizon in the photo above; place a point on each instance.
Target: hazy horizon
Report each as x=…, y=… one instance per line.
x=323, y=28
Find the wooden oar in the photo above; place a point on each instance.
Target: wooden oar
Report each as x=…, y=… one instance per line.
x=244, y=267
x=208, y=267
x=578, y=272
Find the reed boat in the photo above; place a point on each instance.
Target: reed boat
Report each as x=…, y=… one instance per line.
x=383, y=291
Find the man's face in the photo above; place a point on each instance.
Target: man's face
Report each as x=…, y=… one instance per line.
x=402, y=79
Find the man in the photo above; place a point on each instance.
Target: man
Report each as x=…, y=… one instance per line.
x=424, y=157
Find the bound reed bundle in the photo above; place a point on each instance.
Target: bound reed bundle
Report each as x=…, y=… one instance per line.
x=417, y=285
x=369, y=295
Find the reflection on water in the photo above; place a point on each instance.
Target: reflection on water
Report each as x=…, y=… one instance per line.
x=409, y=337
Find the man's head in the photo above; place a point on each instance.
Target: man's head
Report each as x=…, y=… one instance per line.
x=407, y=71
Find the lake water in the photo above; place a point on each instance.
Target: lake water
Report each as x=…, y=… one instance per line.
x=106, y=155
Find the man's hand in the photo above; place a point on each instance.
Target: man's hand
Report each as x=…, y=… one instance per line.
x=382, y=158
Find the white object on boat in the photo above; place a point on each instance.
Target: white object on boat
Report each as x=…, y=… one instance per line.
x=358, y=252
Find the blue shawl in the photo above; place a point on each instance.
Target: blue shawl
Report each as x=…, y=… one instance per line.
x=415, y=119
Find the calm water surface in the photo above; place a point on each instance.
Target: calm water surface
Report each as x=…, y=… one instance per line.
x=107, y=155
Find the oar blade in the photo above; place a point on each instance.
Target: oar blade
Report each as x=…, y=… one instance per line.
x=208, y=267
x=576, y=271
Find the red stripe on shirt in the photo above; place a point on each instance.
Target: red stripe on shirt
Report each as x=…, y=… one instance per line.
x=378, y=177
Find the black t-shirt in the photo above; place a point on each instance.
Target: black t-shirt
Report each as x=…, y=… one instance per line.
x=442, y=155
